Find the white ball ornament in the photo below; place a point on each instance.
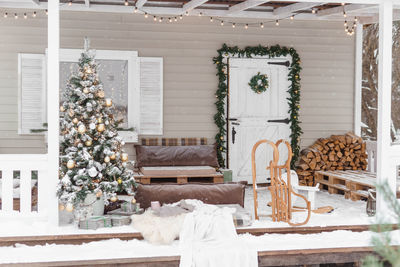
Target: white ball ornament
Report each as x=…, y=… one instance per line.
x=81, y=129
x=108, y=102
x=92, y=126
x=70, y=164
x=107, y=159
x=124, y=157
x=85, y=90
x=113, y=198
x=92, y=172
x=75, y=120
x=88, y=143
x=101, y=127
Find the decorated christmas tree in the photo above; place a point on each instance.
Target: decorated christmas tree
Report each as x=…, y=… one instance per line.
x=91, y=155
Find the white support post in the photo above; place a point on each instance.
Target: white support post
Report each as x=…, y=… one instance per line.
x=384, y=103
x=53, y=39
x=358, y=79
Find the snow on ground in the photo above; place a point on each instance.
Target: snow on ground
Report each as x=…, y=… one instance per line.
x=346, y=212
x=141, y=248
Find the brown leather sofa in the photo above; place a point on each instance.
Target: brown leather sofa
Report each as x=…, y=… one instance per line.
x=229, y=193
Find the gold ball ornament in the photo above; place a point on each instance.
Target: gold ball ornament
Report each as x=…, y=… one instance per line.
x=107, y=159
x=113, y=199
x=81, y=129
x=69, y=207
x=100, y=120
x=62, y=109
x=61, y=207
x=112, y=156
x=119, y=181
x=85, y=90
x=70, y=164
x=101, y=94
x=75, y=120
x=101, y=127
x=88, y=143
x=108, y=102
x=133, y=201
x=99, y=194
x=124, y=157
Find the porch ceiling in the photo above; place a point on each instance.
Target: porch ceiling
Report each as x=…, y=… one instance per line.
x=365, y=10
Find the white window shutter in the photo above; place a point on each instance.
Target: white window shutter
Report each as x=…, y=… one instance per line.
x=31, y=99
x=151, y=96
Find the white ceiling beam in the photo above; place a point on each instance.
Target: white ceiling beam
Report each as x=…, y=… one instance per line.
x=290, y=9
x=192, y=5
x=339, y=10
x=245, y=5
x=140, y=3
x=87, y=3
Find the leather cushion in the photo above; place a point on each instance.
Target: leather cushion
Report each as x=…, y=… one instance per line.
x=231, y=193
x=172, y=171
x=153, y=156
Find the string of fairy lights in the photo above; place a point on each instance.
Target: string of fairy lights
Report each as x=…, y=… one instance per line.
x=350, y=30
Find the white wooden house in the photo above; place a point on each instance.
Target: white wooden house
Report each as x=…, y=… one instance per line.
x=175, y=59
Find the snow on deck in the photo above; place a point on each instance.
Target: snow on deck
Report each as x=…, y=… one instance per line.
x=346, y=212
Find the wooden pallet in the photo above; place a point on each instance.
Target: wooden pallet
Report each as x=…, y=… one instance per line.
x=352, y=184
x=180, y=179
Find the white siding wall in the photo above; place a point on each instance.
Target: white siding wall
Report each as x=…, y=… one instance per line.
x=187, y=47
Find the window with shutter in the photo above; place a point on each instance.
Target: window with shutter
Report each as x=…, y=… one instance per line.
x=31, y=89
x=151, y=96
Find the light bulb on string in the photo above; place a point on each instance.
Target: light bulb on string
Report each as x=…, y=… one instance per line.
x=222, y=23
x=344, y=14
x=15, y=16
x=154, y=18
x=5, y=15
x=70, y=3
x=355, y=19
x=187, y=13
x=135, y=10
x=233, y=25
x=161, y=19
x=200, y=14
x=175, y=19
x=246, y=26
x=292, y=17
x=180, y=17
x=47, y=12
x=313, y=11
x=126, y=3
x=25, y=16
x=34, y=14
x=169, y=20
x=211, y=19
x=262, y=25
x=146, y=15
x=345, y=23
x=277, y=22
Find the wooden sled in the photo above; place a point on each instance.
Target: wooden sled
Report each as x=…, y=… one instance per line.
x=281, y=191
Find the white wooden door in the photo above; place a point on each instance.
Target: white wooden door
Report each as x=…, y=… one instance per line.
x=253, y=116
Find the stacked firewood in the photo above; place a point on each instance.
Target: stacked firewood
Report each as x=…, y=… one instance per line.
x=338, y=152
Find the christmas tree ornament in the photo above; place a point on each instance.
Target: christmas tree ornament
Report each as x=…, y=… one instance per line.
x=107, y=159
x=124, y=156
x=101, y=127
x=81, y=129
x=119, y=181
x=100, y=120
x=69, y=207
x=62, y=109
x=70, y=164
x=75, y=120
x=99, y=194
x=85, y=90
x=88, y=143
x=93, y=172
x=71, y=112
x=61, y=207
x=92, y=126
x=133, y=201
x=113, y=199
x=101, y=94
x=112, y=156
x=108, y=102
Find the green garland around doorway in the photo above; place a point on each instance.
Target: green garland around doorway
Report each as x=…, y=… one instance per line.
x=294, y=91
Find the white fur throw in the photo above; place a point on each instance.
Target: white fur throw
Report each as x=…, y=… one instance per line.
x=156, y=229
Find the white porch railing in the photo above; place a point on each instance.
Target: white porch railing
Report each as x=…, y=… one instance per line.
x=24, y=165
x=372, y=154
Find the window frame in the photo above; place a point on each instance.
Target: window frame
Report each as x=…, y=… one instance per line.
x=73, y=55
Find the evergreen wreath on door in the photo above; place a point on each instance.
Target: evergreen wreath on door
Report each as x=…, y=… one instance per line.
x=259, y=83
x=221, y=61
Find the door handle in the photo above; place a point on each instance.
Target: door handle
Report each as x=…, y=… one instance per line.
x=232, y=119
x=280, y=121
x=233, y=135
